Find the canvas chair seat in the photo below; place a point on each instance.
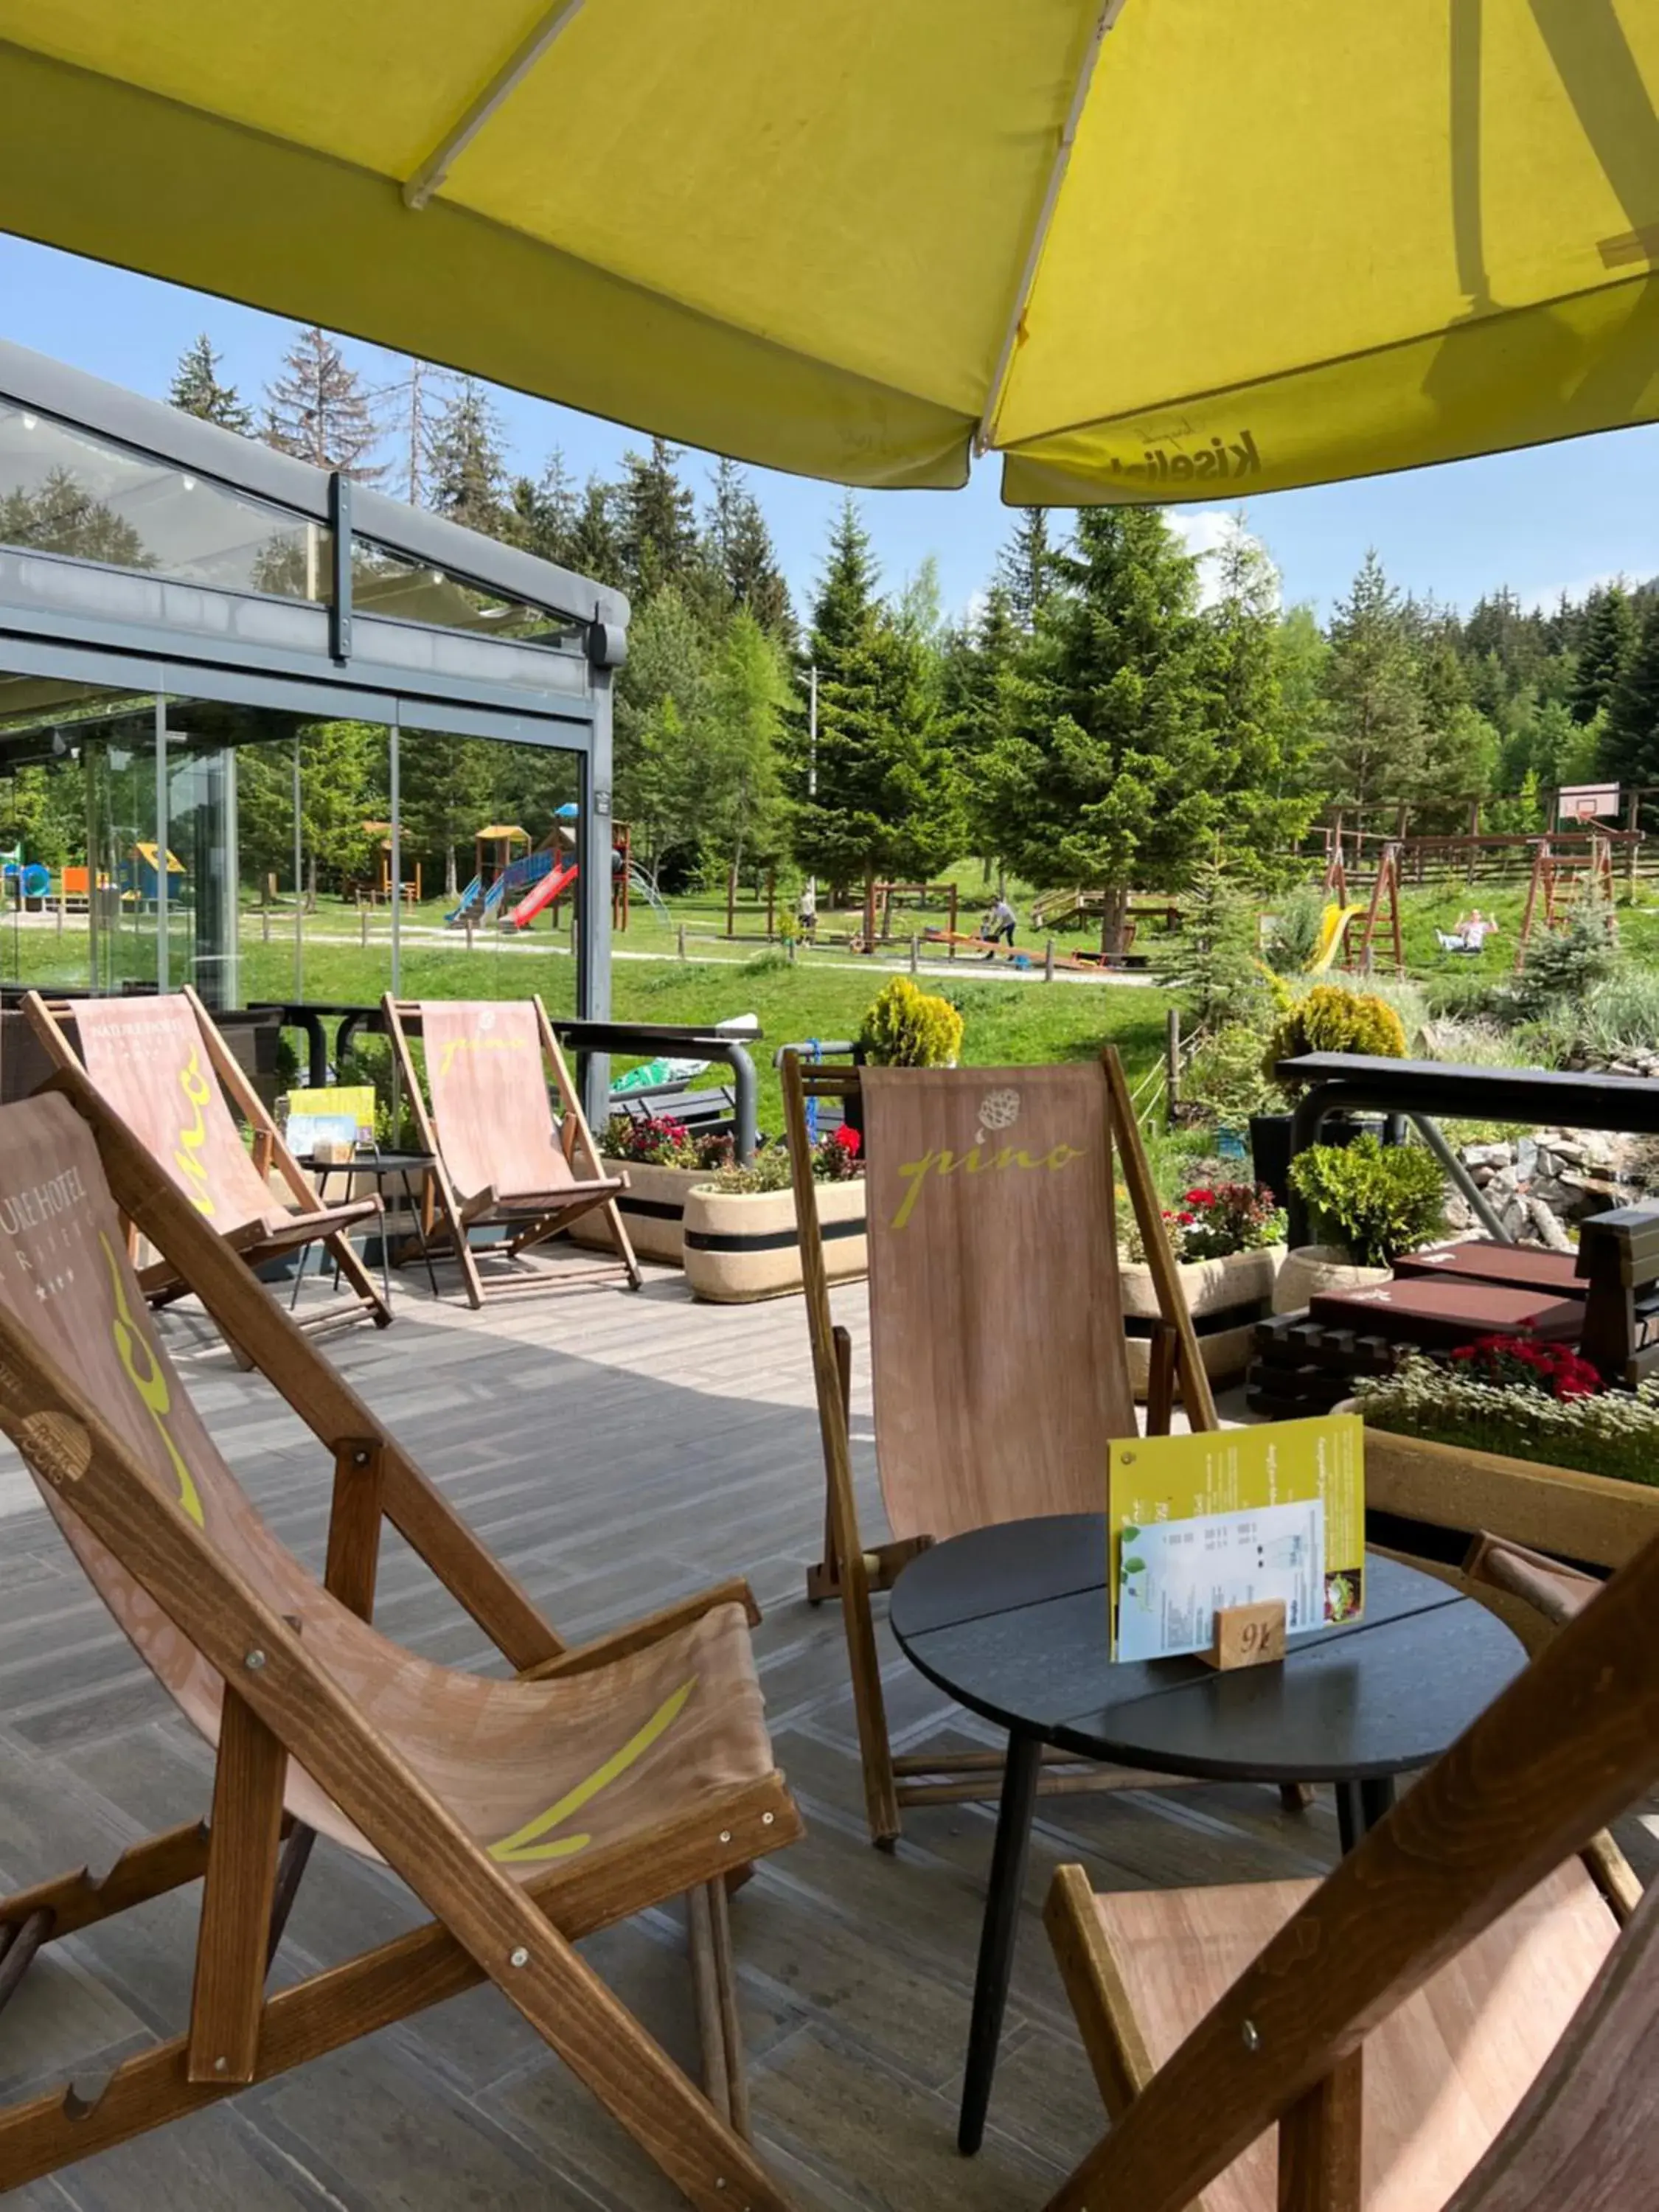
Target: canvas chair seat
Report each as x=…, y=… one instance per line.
x=1444, y=2073
x=504, y=1155
x=684, y=1715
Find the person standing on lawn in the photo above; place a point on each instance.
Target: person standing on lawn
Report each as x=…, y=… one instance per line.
x=997, y=927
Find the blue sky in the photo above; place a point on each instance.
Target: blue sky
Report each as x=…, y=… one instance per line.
x=1558, y=517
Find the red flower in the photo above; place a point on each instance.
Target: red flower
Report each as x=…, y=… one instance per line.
x=849, y=1139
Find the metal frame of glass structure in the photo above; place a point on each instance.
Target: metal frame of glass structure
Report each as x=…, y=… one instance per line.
x=261, y=581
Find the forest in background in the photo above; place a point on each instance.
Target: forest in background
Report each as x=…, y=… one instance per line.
x=1112, y=712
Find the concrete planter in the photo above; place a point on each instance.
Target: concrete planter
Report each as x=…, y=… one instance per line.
x=741, y=1248
x=1311, y=1268
x=653, y=1208
x=1446, y=1494
x=1225, y=1298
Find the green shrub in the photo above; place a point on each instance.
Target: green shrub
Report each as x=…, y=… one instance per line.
x=1330, y=1020
x=1293, y=932
x=1564, y=965
x=1611, y=1433
x=1619, y=1016
x=1211, y=962
x=1374, y=1200
x=1224, y=1077
x=906, y=1027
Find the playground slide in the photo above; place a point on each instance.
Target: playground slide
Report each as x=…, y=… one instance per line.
x=469, y=899
x=544, y=894
x=1336, y=920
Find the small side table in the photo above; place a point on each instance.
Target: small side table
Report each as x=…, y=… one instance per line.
x=410, y=1169
x=1012, y=1621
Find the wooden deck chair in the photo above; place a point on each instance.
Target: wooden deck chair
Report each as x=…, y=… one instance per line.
x=1452, y=2021
x=997, y=1342
x=505, y=1160
x=525, y=1812
x=165, y=1070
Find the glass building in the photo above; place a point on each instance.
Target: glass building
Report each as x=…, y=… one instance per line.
x=254, y=718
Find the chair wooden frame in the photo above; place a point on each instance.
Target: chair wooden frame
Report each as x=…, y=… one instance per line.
x=311, y=1222
x=852, y=1570
x=1568, y=1746
x=531, y=1221
x=280, y=1703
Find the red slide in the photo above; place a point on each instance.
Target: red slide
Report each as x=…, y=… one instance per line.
x=544, y=894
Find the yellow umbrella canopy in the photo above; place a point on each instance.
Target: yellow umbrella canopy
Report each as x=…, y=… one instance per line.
x=1164, y=248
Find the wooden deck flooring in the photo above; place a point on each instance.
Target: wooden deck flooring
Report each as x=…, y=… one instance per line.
x=616, y=1450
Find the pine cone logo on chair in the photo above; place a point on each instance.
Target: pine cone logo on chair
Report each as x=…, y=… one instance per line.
x=998, y=1109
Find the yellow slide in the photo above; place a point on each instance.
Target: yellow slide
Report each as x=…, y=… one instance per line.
x=1336, y=920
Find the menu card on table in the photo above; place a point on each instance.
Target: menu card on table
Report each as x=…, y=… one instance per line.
x=1195, y=1524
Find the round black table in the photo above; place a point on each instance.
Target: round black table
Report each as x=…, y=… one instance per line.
x=382, y=1167
x=1012, y=1621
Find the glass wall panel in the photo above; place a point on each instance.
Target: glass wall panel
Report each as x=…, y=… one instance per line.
x=483, y=824
x=389, y=583
x=77, y=795
x=66, y=491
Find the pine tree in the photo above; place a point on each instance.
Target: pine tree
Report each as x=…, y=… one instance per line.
x=196, y=390
x=1373, y=746
x=542, y=513
x=319, y=411
x=1630, y=742
x=657, y=518
x=447, y=790
x=1260, y=752
x=595, y=539
x=662, y=714
x=1110, y=778
x=1604, y=655
x=738, y=548
x=736, y=748
x=880, y=796
x=976, y=659
x=466, y=474
x=1025, y=568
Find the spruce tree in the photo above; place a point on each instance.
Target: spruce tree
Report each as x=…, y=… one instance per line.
x=318, y=410
x=1374, y=743
x=196, y=390
x=1608, y=642
x=1025, y=568
x=542, y=514
x=1630, y=741
x=662, y=716
x=466, y=474
x=1110, y=777
x=738, y=548
x=736, y=749
x=595, y=539
x=886, y=800
x=1261, y=753
x=656, y=521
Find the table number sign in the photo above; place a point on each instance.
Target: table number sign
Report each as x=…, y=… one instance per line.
x=1197, y=1525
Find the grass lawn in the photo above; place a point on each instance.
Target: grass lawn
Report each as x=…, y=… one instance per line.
x=824, y=994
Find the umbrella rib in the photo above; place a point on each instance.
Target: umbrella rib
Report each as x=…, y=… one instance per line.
x=1109, y=12
x=506, y=80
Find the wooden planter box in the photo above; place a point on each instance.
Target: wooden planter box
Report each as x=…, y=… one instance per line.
x=1588, y=1517
x=740, y=1248
x=1225, y=1298
x=652, y=1209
